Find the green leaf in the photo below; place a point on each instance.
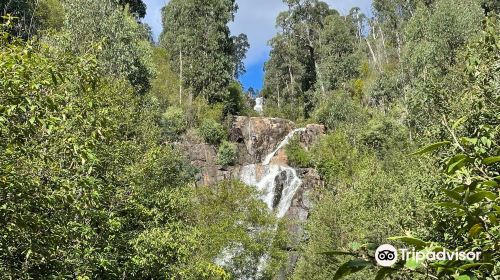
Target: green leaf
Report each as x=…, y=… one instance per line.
x=410, y=240
x=457, y=162
x=472, y=265
x=492, y=184
x=475, y=230
x=338, y=253
x=493, y=218
x=463, y=277
x=384, y=272
x=459, y=122
x=351, y=267
x=413, y=264
x=479, y=196
x=453, y=194
x=467, y=140
x=451, y=205
x=431, y=148
x=491, y=160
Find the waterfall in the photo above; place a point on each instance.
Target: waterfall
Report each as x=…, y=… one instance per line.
x=277, y=199
x=259, y=105
x=283, y=143
x=277, y=184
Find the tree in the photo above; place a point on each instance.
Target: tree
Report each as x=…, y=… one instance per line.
x=32, y=16
x=137, y=7
x=434, y=35
x=295, y=53
x=125, y=49
x=241, y=46
x=339, y=59
x=196, y=34
x=312, y=55
x=391, y=17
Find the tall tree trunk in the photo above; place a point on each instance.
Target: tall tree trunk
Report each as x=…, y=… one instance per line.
x=312, y=52
x=180, y=77
x=320, y=79
x=398, y=39
x=373, y=54
x=383, y=43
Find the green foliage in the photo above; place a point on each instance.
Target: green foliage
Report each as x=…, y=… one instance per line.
x=173, y=123
x=212, y=132
x=137, y=7
x=233, y=219
x=339, y=59
x=165, y=85
x=466, y=214
x=202, y=51
x=434, y=36
x=338, y=109
x=226, y=154
x=124, y=50
x=80, y=167
x=362, y=202
x=384, y=135
x=296, y=154
x=235, y=103
x=50, y=14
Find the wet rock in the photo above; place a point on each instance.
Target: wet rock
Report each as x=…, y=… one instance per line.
x=279, y=184
x=255, y=138
x=259, y=135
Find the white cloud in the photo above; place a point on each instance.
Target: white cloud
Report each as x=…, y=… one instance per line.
x=256, y=18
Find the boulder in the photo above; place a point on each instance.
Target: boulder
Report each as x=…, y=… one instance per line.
x=312, y=133
x=258, y=136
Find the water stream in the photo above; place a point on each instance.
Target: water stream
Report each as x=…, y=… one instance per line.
x=259, y=105
x=278, y=200
x=277, y=183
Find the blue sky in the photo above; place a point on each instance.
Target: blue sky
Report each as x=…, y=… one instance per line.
x=256, y=18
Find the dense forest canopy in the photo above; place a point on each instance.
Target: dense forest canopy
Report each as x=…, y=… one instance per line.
x=93, y=184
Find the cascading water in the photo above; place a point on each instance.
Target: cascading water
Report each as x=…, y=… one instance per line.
x=266, y=182
x=259, y=105
x=277, y=183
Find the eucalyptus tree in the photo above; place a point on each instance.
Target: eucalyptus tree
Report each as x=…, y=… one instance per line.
x=391, y=17
x=339, y=56
x=137, y=7
x=197, y=36
x=124, y=47
x=293, y=71
x=433, y=37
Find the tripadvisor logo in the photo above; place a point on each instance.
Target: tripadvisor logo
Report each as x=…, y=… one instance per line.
x=387, y=255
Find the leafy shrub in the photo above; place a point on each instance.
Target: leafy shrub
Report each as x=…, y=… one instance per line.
x=173, y=122
x=79, y=165
x=202, y=110
x=212, y=131
x=297, y=155
x=224, y=213
x=337, y=110
x=226, y=154
x=384, y=135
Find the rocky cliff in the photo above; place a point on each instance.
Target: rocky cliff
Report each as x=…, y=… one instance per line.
x=255, y=137
x=262, y=163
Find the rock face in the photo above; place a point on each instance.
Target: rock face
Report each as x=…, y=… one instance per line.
x=312, y=134
x=257, y=137
x=263, y=164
